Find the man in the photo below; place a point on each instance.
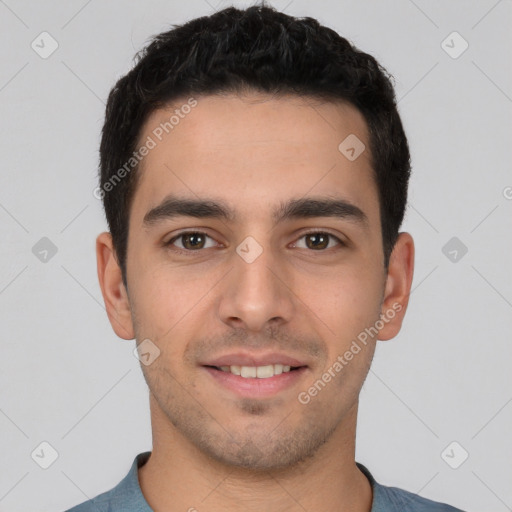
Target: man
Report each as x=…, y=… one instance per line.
x=254, y=175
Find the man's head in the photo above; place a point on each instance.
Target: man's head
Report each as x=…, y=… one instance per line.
x=259, y=226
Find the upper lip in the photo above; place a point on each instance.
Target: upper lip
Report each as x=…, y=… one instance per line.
x=248, y=359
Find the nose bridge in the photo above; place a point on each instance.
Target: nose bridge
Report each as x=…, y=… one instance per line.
x=254, y=292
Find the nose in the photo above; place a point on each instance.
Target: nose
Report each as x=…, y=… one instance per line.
x=256, y=294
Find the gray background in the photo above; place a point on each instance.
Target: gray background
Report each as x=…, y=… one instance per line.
x=66, y=379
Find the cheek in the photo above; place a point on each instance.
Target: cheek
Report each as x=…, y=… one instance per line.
x=345, y=301
x=167, y=299
x=156, y=308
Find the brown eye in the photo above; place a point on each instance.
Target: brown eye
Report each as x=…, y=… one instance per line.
x=319, y=240
x=193, y=240
x=190, y=241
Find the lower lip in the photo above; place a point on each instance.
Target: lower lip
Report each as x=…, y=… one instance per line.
x=254, y=387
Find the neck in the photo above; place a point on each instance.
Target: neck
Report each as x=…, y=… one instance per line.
x=178, y=476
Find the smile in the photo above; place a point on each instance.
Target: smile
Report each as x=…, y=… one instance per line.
x=256, y=381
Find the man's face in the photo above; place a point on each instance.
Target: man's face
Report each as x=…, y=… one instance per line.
x=254, y=290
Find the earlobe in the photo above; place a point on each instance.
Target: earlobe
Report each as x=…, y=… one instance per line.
x=112, y=287
x=398, y=286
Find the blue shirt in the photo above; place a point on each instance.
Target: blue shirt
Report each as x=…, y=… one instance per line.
x=127, y=496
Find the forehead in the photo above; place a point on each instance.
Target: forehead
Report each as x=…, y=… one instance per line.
x=254, y=150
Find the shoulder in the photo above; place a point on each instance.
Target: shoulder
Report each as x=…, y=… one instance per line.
x=125, y=496
x=101, y=503
x=392, y=499
x=405, y=501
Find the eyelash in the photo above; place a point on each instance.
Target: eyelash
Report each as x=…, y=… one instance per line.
x=190, y=252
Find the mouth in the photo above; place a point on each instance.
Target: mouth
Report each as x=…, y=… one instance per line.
x=257, y=382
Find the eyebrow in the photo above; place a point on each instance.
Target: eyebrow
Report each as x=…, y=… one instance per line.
x=173, y=206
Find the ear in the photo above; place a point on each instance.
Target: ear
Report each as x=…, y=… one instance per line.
x=398, y=286
x=112, y=287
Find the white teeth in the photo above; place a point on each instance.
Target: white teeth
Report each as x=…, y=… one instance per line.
x=248, y=371
x=260, y=372
x=263, y=372
x=234, y=369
